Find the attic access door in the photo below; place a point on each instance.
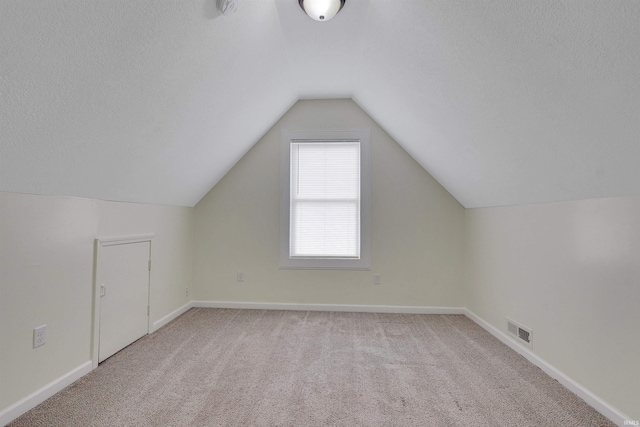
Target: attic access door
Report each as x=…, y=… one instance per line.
x=123, y=294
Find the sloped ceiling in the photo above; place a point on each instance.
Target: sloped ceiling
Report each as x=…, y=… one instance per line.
x=503, y=102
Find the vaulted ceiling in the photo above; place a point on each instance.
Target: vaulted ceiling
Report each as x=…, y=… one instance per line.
x=503, y=102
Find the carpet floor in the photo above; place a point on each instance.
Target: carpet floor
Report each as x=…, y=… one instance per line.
x=224, y=367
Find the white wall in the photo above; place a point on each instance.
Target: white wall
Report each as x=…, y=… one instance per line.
x=46, y=268
x=571, y=272
x=417, y=227
x=46, y=277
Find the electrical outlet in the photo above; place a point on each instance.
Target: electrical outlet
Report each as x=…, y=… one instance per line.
x=377, y=279
x=186, y=292
x=240, y=276
x=39, y=336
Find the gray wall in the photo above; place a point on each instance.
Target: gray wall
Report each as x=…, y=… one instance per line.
x=46, y=277
x=417, y=227
x=571, y=272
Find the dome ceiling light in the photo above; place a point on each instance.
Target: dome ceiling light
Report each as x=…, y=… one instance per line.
x=321, y=10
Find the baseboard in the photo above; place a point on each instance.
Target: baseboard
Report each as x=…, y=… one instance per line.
x=330, y=307
x=169, y=317
x=34, y=399
x=594, y=401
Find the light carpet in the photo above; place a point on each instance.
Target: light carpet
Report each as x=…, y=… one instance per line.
x=224, y=367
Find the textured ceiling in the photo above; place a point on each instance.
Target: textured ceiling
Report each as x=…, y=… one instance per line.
x=151, y=101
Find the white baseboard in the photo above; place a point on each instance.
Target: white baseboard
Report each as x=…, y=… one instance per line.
x=594, y=401
x=169, y=317
x=34, y=399
x=330, y=307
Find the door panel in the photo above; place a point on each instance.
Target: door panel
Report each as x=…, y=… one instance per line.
x=124, y=296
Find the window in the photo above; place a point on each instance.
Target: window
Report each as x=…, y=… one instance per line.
x=325, y=200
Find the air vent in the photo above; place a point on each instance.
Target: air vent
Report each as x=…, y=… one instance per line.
x=521, y=333
x=524, y=335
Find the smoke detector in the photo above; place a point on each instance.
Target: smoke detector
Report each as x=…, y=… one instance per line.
x=227, y=7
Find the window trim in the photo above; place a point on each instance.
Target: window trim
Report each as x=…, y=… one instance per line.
x=321, y=263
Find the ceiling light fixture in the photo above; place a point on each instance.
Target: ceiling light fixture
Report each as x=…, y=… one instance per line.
x=321, y=10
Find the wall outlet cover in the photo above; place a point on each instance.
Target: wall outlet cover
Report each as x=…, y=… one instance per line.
x=39, y=336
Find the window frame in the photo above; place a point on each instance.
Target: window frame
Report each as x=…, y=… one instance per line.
x=324, y=263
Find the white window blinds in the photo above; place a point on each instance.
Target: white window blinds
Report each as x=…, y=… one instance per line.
x=325, y=199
